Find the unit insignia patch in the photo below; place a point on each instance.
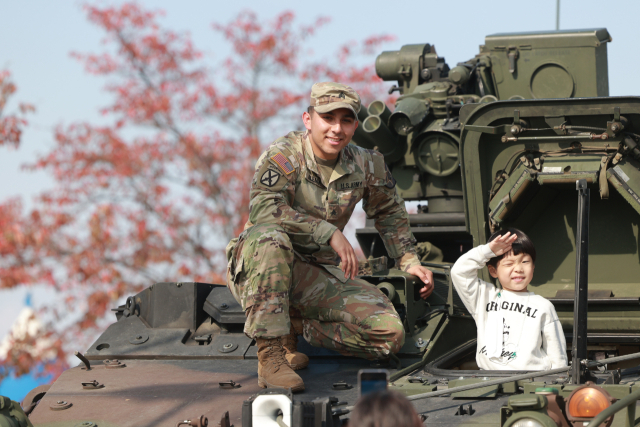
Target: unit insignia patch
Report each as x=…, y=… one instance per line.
x=269, y=178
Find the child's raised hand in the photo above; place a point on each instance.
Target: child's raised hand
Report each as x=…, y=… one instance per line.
x=502, y=244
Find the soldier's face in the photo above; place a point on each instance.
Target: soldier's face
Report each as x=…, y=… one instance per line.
x=330, y=132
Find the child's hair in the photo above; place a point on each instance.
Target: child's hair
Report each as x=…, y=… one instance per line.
x=523, y=244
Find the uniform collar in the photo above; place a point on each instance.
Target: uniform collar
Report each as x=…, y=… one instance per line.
x=344, y=166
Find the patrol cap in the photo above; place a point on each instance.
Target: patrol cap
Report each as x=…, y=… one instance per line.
x=329, y=96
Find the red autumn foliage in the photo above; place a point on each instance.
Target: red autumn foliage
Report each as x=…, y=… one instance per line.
x=11, y=125
x=157, y=194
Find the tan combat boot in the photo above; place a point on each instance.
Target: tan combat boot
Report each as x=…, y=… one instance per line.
x=273, y=369
x=296, y=326
x=295, y=359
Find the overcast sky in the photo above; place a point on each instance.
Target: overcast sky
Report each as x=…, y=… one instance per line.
x=37, y=37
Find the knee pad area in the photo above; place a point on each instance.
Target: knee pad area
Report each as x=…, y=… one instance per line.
x=386, y=330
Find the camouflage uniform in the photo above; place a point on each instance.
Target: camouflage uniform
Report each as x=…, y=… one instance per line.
x=282, y=263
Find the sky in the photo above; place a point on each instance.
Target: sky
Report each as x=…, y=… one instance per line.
x=38, y=36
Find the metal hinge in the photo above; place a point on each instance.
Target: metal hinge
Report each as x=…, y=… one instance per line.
x=229, y=384
x=92, y=385
x=512, y=54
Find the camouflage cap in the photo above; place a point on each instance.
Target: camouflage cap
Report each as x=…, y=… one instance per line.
x=329, y=96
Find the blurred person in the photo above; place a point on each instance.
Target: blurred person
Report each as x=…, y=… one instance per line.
x=384, y=409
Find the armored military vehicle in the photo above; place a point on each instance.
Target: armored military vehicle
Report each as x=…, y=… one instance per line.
x=524, y=135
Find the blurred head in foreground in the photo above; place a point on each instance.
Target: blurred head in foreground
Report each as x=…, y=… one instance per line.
x=384, y=409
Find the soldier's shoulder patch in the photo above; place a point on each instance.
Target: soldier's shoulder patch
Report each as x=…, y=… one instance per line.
x=283, y=162
x=288, y=147
x=269, y=178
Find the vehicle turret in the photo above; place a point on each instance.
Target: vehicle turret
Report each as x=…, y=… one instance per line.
x=420, y=138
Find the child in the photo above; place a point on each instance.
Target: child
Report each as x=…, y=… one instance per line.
x=517, y=330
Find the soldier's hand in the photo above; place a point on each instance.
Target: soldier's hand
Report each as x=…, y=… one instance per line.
x=426, y=276
x=345, y=251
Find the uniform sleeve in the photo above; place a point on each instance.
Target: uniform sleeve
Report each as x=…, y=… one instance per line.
x=272, y=192
x=385, y=206
x=464, y=275
x=553, y=341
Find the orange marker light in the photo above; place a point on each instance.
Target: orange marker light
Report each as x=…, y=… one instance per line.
x=587, y=403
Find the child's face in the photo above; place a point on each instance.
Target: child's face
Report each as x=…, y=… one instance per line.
x=514, y=271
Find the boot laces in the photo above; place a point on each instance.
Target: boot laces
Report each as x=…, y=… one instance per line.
x=276, y=355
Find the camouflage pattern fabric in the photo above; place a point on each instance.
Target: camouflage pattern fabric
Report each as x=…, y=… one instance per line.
x=283, y=260
x=288, y=190
x=329, y=96
x=372, y=266
x=429, y=252
x=272, y=283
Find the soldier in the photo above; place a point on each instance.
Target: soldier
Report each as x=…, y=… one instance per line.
x=292, y=269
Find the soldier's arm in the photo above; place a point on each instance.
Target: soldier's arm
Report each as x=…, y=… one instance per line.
x=272, y=195
x=386, y=207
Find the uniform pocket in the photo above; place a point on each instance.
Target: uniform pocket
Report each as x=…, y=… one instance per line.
x=335, y=271
x=234, y=268
x=349, y=198
x=231, y=261
x=238, y=269
x=343, y=204
x=229, y=249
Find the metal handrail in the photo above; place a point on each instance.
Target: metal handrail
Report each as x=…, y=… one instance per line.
x=512, y=378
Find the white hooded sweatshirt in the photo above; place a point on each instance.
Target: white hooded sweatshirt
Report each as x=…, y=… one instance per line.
x=516, y=330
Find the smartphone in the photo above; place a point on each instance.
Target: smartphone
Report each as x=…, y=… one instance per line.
x=372, y=380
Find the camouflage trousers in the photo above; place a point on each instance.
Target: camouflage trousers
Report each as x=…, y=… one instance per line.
x=271, y=283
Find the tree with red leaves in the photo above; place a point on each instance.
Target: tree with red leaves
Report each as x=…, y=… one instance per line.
x=157, y=194
x=28, y=348
x=11, y=125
